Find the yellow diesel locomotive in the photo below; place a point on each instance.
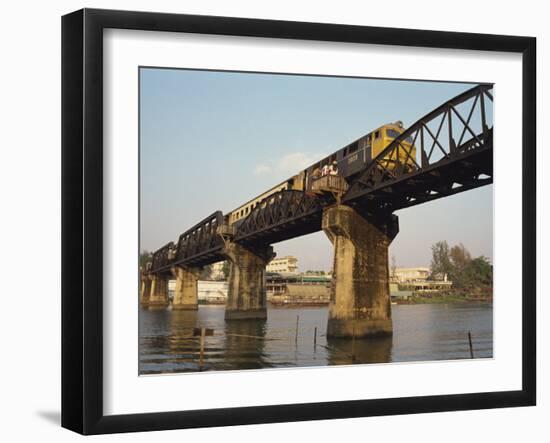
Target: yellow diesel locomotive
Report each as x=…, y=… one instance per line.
x=347, y=161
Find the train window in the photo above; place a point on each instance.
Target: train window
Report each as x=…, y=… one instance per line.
x=353, y=147
x=392, y=133
x=377, y=134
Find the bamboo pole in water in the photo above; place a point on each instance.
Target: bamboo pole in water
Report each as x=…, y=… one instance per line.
x=297, y=321
x=470, y=342
x=203, y=333
x=315, y=340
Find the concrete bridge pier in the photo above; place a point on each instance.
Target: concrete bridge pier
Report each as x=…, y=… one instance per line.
x=360, y=302
x=159, y=291
x=246, y=297
x=186, y=291
x=145, y=289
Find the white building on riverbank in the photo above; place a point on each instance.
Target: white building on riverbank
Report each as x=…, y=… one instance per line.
x=283, y=265
x=209, y=291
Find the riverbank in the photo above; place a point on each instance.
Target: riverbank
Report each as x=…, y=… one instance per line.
x=442, y=299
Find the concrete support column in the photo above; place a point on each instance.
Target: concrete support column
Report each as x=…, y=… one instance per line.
x=360, y=302
x=186, y=293
x=145, y=289
x=159, y=291
x=246, y=298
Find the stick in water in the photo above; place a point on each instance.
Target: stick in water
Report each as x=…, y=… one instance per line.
x=315, y=339
x=203, y=333
x=471, y=347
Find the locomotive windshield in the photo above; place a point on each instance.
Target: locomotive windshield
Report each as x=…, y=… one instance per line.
x=394, y=134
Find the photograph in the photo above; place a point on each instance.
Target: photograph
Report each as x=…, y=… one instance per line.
x=291, y=220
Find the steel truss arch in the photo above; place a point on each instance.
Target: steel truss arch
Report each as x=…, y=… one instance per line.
x=281, y=216
x=402, y=175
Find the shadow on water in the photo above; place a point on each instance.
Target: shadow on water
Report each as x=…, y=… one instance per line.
x=183, y=323
x=184, y=346
x=363, y=350
x=245, y=345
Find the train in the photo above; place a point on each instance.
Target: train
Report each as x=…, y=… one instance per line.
x=349, y=161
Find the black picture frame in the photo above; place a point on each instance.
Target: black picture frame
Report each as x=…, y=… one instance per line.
x=82, y=219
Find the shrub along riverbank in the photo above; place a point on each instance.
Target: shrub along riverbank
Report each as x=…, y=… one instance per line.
x=480, y=294
x=472, y=278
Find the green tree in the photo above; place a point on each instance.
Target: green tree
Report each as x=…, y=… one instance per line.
x=462, y=270
x=460, y=257
x=144, y=258
x=225, y=270
x=441, y=262
x=478, y=272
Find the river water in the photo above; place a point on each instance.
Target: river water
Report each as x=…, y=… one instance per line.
x=422, y=332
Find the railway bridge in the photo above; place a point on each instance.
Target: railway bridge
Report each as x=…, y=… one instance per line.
x=453, y=152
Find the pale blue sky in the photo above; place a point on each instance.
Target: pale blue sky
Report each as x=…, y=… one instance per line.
x=213, y=140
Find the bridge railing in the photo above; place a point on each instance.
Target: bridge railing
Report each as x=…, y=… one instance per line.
x=162, y=257
x=460, y=125
x=201, y=239
x=192, y=246
x=287, y=207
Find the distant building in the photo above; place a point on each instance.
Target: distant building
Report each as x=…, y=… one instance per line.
x=209, y=292
x=276, y=283
x=302, y=294
x=212, y=292
x=398, y=294
x=283, y=265
x=416, y=279
x=406, y=275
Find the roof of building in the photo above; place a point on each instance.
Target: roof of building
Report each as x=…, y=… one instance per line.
x=286, y=257
x=315, y=278
x=417, y=269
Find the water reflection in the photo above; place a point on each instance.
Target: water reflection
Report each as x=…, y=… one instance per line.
x=245, y=344
x=421, y=333
x=183, y=323
x=364, y=350
x=183, y=344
